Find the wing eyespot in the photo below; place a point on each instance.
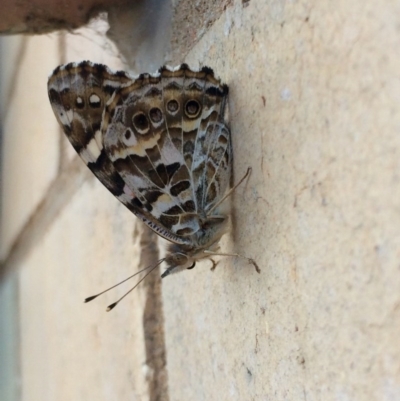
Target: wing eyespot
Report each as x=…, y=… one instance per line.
x=192, y=108
x=156, y=115
x=173, y=106
x=128, y=137
x=141, y=123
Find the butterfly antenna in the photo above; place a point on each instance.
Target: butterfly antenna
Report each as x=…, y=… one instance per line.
x=230, y=191
x=91, y=298
x=113, y=305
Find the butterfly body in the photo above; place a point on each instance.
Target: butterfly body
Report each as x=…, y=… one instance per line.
x=160, y=143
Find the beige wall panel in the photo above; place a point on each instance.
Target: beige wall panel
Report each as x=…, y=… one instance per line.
x=30, y=141
x=72, y=350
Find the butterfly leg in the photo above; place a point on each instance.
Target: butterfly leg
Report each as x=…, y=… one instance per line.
x=214, y=264
x=235, y=255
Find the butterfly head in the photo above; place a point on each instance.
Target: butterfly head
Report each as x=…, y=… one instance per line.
x=180, y=257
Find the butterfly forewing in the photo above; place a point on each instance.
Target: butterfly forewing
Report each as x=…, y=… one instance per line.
x=78, y=93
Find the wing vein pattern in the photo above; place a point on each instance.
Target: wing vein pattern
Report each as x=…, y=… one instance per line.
x=159, y=143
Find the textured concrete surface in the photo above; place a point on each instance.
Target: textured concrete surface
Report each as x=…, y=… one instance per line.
x=77, y=351
x=191, y=20
x=314, y=98
x=314, y=106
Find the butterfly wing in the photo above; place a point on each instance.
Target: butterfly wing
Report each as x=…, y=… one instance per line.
x=78, y=94
x=166, y=137
x=212, y=148
x=199, y=131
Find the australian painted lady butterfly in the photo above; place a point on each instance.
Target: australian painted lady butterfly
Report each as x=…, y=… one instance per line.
x=159, y=143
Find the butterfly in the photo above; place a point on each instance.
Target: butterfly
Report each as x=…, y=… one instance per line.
x=160, y=143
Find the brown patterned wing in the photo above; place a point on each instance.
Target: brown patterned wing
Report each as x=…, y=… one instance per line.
x=212, y=153
x=163, y=135
x=78, y=95
x=199, y=131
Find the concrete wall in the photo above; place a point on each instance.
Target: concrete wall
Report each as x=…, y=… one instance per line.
x=315, y=111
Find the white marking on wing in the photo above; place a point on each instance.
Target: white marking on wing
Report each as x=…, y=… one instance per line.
x=91, y=153
x=94, y=99
x=99, y=139
x=64, y=116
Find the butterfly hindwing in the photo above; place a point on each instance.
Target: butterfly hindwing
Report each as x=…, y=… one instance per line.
x=153, y=127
